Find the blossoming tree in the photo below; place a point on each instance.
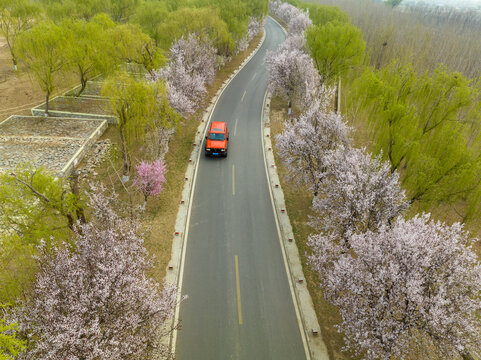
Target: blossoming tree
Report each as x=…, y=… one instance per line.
x=190, y=68
x=404, y=291
x=292, y=76
x=359, y=193
x=303, y=144
x=150, y=178
x=92, y=298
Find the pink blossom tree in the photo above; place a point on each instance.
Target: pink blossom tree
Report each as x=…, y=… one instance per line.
x=190, y=68
x=92, y=298
x=404, y=291
x=292, y=76
x=359, y=193
x=150, y=178
x=303, y=144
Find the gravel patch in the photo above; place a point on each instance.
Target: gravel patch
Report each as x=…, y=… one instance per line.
x=52, y=127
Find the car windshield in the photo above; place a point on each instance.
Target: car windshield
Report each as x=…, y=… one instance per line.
x=216, y=136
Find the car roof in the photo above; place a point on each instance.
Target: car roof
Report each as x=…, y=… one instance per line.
x=218, y=126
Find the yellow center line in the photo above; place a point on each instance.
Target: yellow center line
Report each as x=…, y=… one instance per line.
x=235, y=126
x=243, y=95
x=254, y=76
x=239, y=308
x=233, y=180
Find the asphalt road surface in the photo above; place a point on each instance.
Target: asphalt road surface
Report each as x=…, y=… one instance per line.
x=240, y=305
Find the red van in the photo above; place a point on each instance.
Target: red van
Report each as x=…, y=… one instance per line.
x=217, y=138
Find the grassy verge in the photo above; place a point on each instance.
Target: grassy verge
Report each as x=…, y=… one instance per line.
x=160, y=216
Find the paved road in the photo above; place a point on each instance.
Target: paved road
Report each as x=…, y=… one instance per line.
x=240, y=305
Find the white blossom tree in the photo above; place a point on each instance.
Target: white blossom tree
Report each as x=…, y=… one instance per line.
x=294, y=42
x=241, y=44
x=92, y=298
x=303, y=144
x=297, y=20
x=359, y=193
x=190, y=68
x=299, y=23
x=410, y=289
x=284, y=11
x=292, y=76
x=255, y=27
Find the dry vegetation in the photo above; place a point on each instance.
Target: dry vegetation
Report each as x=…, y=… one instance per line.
x=424, y=36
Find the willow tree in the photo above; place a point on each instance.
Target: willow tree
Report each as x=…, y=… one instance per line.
x=34, y=205
x=150, y=15
x=234, y=13
x=202, y=21
x=388, y=95
x=86, y=55
x=15, y=18
x=428, y=127
x=10, y=345
x=134, y=103
x=42, y=50
x=122, y=10
x=129, y=44
x=323, y=14
x=335, y=47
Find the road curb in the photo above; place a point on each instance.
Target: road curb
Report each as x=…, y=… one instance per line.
x=180, y=236
x=316, y=345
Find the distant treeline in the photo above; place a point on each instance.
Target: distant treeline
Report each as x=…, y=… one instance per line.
x=424, y=36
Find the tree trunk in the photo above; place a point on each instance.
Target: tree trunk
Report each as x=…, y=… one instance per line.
x=125, y=154
x=337, y=98
x=71, y=221
x=74, y=186
x=467, y=356
x=83, y=82
x=83, y=85
x=12, y=53
x=46, y=103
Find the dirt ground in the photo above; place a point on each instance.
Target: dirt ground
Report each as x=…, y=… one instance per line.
x=18, y=92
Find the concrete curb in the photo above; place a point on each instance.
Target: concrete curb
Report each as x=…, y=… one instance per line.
x=316, y=345
x=175, y=267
